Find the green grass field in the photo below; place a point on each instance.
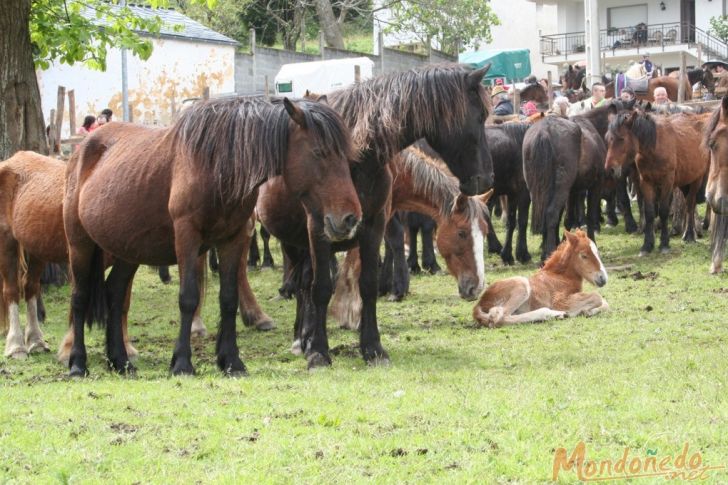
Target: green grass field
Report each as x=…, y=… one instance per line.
x=459, y=404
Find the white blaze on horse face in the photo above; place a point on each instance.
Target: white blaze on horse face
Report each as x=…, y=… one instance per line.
x=602, y=269
x=478, y=252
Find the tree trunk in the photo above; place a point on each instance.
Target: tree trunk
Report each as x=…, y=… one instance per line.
x=21, y=119
x=329, y=25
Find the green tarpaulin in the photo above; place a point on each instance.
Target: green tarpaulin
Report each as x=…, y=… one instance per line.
x=513, y=65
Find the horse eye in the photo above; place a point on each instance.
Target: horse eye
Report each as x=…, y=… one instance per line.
x=583, y=256
x=462, y=234
x=711, y=144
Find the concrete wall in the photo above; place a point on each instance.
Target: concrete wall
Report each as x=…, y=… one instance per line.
x=176, y=70
x=252, y=68
x=704, y=9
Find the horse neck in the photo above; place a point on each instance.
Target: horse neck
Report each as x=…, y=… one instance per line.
x=421, y=186
x=560, y=265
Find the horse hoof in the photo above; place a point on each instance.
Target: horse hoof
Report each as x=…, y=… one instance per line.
x=78, y=371
x=122, y=367
x=644, y=254
x=377, y=357
x=664, y=250
x=38, y=347
x=265, y=325
x=317, y=360
x=199, y=333
x=235, y=368
x=296, y=347
x=182, y=367
x=395, y=298
x=131, y=352
x=19, y=354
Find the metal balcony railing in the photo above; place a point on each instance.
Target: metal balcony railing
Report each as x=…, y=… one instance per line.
x=642, y=37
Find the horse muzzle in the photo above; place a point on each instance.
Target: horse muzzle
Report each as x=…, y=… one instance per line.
x=469, y=288
x=600, y=279
x=340, y=228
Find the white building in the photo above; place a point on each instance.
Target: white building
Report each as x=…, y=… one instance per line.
x=521, y=22
x=672, y=27
x=184, y=61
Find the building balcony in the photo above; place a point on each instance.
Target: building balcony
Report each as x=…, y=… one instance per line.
x=630, y=41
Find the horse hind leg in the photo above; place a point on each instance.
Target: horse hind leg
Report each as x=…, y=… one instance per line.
x=33, y=334
x=250, y=311
x=118, y=285
x=501, y=300
x=10, y=315
x=267, y=255
x=198, y=326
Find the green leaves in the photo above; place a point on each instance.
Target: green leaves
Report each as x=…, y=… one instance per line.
x=450, y=24
x=71, y=31
x=719, y=27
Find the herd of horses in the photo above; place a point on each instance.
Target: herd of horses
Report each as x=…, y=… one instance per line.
x=333, y=174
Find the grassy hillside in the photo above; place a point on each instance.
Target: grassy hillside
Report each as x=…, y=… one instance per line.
x=459, y=404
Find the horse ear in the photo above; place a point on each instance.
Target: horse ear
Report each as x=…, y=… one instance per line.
x=323, y=99
x=571, y=68
x=612, y=112
x=295, y=112
x=475, y=78
x=648, y=106
x=484, y=198
x=461, y=202
x=572, y=238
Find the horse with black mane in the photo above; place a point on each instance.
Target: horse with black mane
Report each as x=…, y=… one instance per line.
x=445, y=105
x=165, y=196
x=668, y=154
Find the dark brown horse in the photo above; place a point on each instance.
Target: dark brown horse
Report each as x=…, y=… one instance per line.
x=535, y=92
x=562, y=162
x=164, y=196
x=716, y=192
x=443, y=104
x=668, y=154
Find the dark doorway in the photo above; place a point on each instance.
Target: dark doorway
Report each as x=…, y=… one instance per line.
x=687, y=20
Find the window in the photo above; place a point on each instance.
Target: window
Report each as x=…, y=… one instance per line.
x=621, y=17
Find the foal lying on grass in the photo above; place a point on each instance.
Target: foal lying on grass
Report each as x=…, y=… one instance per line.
x=553, y=292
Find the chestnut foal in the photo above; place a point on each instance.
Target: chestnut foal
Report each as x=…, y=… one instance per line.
x=553, y=292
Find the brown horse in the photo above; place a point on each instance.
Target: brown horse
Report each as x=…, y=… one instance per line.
x=31, y=231
x=553, y=292
x=671, y=85
x=163, y=196
x=443, y=104
x=668, y=153
x=716, y=191
x=422, y=184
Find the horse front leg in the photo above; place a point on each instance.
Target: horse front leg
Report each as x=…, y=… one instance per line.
x=253, y=251
x=648, y=205
x=664, y=211
x=625, y=206
x=370, y=238
x=587, y=304
x=690, y=200
x=33, y=334
x=429, y=261
x=413, y=259
x=117, y=285
x=267, y=255
x=230, y=256
x=593, y=212
x=400, y=272
x=314, y=337
x=187, y=246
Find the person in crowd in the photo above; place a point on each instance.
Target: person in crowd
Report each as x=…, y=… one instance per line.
x=597, y=98
x=89, y=124
x=627, y=94
x=108, y=114
x=502, y=104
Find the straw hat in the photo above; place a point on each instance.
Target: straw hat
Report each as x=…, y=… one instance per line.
x=498, y=90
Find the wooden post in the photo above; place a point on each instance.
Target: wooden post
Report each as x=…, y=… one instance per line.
x=266, y=90
x=206, y=93
x=131, y=113
x=52, y=133
x=254, y=73
x=60, y=102
x=72, y=111
x=380, y=39
x=700, y=56
x=681, y=86
x=322, y=45
x=357, y=74
x=516, y=100
x=550, y=89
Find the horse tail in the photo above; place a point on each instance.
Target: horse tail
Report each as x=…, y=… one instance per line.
x=97, y=309
x=541, y=166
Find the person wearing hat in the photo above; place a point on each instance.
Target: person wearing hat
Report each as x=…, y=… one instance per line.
x=501, y=102
x=647, y=64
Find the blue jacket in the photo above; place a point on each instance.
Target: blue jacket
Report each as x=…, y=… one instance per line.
x=505, y=107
